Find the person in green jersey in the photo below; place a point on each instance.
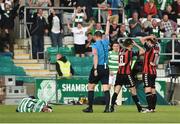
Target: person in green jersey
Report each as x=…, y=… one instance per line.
x=113, y=62
x=113, y=66
x=33, y=105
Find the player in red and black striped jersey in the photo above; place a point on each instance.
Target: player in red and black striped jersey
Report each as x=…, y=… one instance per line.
x=151, y=58
x=124, y=76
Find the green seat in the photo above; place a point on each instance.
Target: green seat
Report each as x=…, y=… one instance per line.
x=52, y=59
x=6, y=71
x=19, y=71
x=6, y=59
x=52, y=50
x=77, y=70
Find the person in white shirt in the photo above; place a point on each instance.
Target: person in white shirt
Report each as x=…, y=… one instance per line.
x=56, y=29
x=79, y=33
x=79, y=15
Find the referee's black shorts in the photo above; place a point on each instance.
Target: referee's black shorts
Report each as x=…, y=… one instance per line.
x=103, y=75
x=124, y=79
x=149, y=80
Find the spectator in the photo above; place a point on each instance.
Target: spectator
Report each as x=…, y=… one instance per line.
x=148, y=24
x=8, y=16
x=63, y=66
x=103, y=6
x=116, y=13
x=134, y=6
x=114, y=28
x=168, y=26
x=89, y=43
x=79, y=33
x=4, y=47
x=150, y=8
x=88, y=4
x=135, y=26
x=55, y=26
x=176, y=46
x=78, y=15
x=68, y=3
x=155, y=28
x=39, y=27
x=176, y=8
x=44, y=3
x=98, y=27
x=161, y=5
x=2, y=7
x=31, y=12
x=171, y=14
x=2, y=4
x=122, y=32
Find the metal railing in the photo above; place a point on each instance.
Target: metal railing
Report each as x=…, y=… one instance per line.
x=26, y=30
x=25, y=23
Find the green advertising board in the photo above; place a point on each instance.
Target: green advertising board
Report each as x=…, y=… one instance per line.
x=67, y=89
x=76, y=87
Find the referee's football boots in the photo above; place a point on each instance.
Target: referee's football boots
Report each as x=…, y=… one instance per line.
x=88, y=110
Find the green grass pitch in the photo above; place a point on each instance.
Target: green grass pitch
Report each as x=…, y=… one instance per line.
x=74, y=114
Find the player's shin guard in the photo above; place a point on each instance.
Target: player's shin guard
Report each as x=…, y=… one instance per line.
x=136, y=100
x=107, y=99
x=149, y=100
x=90, y=98
x=154, y=100
x=114, y=97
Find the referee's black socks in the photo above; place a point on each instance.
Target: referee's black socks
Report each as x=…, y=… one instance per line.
x=90, y=98
x=107, y=98
x=149, y=100
x=136, y=100
x=114, y=97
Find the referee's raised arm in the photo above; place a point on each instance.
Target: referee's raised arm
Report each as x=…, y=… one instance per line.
x=107, y=26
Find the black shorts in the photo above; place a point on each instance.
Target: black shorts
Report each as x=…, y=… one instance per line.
x=79, y=49
x=149, y=80
x=103, y=75
x=124, y=79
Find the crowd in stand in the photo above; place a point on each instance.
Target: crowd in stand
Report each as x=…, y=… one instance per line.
x=144, y=17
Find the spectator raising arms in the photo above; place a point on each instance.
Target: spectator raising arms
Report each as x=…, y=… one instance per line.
x=79, y=33
x=78, y=15
x=8, y=16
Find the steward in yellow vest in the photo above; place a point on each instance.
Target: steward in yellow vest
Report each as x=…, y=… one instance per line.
x=63, y=66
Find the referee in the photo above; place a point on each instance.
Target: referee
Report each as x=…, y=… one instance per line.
x=100, y=70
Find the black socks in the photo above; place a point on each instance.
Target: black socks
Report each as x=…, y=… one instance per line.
x=90, y=98
x=107, y=98
x=114, y=97
x=136, y=100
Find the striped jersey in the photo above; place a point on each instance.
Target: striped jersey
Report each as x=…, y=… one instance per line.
x=125, y=60
x=31, y=105
x=151, y=58
x=113, y=61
